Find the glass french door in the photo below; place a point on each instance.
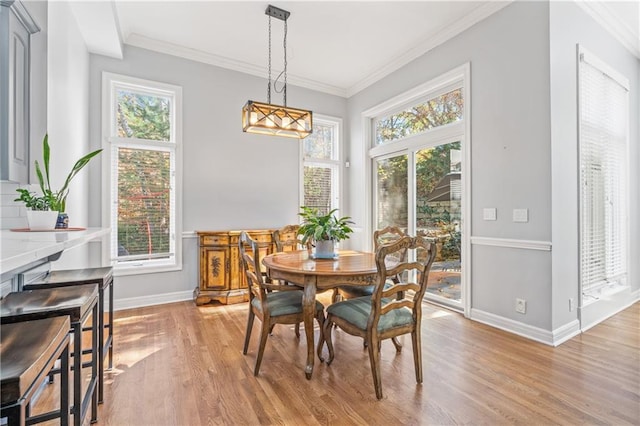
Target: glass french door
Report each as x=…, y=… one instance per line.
x=420, y=192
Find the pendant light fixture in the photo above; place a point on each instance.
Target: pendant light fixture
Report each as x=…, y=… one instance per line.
x=271, y=119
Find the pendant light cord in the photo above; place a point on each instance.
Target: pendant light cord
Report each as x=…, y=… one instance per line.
x=283, y=90
x=284, y=96
x=269, y=83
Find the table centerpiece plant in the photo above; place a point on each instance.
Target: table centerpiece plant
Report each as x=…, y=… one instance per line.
x=50, y=200
x=323, y=230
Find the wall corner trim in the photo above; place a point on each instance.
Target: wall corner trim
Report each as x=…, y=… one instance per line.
x=566, y=332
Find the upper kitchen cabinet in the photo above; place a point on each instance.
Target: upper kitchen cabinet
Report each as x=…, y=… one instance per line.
x=16, y=31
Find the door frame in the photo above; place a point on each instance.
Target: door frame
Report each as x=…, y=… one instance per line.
x=459, y=77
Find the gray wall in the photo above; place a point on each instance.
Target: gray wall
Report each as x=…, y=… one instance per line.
x=232, y=180
x=510, y=151
x=570, y=25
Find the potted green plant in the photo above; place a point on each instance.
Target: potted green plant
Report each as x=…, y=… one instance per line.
x=39, y=214
x=56, y=200
x=324, y=230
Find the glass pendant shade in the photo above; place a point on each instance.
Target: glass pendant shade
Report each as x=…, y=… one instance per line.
x=276, y=120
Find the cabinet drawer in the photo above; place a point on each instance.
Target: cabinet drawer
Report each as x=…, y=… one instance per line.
x=215, y=240
x=262, y=238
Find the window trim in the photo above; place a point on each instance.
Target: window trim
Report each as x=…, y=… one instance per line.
x=337, y=122
x=109, y=82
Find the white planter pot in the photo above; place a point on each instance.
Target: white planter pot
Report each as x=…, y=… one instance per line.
x=325, y=249
x=42, y=220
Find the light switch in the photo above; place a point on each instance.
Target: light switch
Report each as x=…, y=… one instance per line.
x=489, y=213
x=520, y=215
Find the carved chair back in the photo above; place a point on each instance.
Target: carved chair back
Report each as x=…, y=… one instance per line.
x=287, y=239
x=388, y=235
x=383, y=299
x=249, y=250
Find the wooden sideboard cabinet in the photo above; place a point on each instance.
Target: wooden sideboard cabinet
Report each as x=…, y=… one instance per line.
x=220, y=274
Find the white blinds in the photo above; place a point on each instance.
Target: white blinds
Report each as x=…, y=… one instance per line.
x=143, y=202
x=603, y=135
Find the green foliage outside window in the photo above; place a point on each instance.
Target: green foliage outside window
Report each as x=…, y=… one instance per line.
x=143, y=117
x=143, y=201
x=439, y=219
x=444, y=109
x=144, y=180
x=317, y=188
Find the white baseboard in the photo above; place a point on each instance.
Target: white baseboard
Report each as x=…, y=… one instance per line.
x=158, y=299
x=515, y=327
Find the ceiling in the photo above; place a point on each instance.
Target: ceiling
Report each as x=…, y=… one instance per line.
x=335, y=47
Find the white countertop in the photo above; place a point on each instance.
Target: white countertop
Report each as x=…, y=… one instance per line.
x=18, y=249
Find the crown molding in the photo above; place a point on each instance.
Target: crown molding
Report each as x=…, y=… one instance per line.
x=602, y=14
x=223, y=62
x=429, y=43
x=420, y=49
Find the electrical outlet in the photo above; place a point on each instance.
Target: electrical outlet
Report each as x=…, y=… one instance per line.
x=521, y=306
x=570, y=305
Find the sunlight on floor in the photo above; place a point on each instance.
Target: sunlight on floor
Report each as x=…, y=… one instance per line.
x=438, y=314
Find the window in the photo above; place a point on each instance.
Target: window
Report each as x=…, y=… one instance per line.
x=603, y=135
x=434, y=112
x=142, y=134
x=321, y=165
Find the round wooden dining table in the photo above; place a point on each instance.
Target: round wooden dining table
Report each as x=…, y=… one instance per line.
x=300, y=268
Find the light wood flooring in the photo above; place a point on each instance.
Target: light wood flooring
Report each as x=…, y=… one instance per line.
x=179, y=364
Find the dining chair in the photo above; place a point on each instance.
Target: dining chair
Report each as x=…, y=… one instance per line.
x=380, y=236
x=271, y=303
x=382, y=316
x=287, y=239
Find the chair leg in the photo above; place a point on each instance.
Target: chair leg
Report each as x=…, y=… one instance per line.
x=298, y=330
x=264, y=333
x=417, y=353
x=374, y=360
x=397, y=344
x=321, y=320
x=336, y=296
x=326, y=335
x=271, y=329
x=247, y=335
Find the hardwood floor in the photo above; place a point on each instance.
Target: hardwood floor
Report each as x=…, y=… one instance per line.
x=179, y=364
